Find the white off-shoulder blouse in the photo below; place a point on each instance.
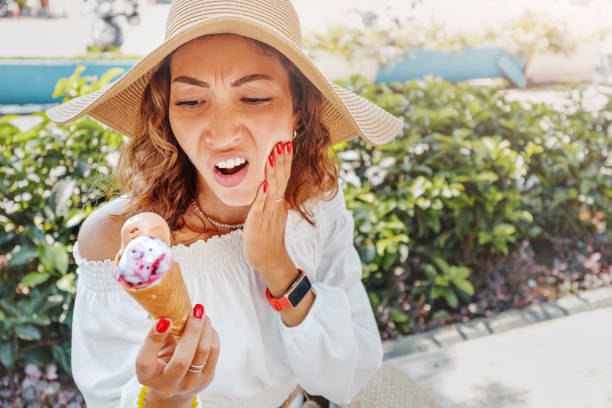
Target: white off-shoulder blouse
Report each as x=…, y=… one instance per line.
x=334, y=352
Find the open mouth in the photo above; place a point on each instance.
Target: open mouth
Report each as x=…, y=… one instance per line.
x=233, y=170
x=231, y=174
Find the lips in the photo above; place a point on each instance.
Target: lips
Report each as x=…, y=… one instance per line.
x=229, y=177
x=233, y=179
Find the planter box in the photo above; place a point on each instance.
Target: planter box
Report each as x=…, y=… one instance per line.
x=33, y=81
x=470, y=63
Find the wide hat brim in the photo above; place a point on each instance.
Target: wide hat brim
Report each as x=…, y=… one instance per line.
x=345, y=114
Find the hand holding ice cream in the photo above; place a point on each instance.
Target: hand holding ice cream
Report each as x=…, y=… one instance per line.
x=145, y=268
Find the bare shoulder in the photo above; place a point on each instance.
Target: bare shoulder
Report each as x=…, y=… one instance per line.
x=100, y=234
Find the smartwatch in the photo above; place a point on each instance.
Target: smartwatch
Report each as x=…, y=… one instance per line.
x=296, y=292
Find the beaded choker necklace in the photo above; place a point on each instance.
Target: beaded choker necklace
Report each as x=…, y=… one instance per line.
x=218, y=224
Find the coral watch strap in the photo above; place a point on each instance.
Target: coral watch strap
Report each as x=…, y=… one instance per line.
x=296, y=293
x=278, y=304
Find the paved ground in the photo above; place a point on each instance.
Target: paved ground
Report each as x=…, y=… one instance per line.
x=562, y=363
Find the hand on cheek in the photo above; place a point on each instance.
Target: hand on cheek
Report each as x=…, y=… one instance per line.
x=264, y=230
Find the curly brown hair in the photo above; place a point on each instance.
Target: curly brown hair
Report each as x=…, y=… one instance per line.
x=152, y=162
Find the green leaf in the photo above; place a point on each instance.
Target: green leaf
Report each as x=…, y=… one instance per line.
x=61, y=354
x=66, y=283
x=36, y=235
x=437, y=291
x=440, y=314
x=109, y=75
x=8, y=353
x=465, y=286
x=10, y=307
x=504, y=229
x=486, y=176
x=398, y=316
x=23, y=255
x=59, y=198
x=27, y=332
x=60, y=257
x=38, y=319
x=484, y=237
x=441, y=264
x=74, y=218
x=38, y=356
x=451, y=298
x=54, y=257
x=34, y=278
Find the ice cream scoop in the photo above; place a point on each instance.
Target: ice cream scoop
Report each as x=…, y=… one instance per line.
x=145, y=268
x=145, y=260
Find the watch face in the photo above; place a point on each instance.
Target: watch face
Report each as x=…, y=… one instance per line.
x=298, y=293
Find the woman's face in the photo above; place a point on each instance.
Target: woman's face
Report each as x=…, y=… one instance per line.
x=230, y=103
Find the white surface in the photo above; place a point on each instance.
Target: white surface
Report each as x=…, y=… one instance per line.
x=580, y=66
x=561, y=363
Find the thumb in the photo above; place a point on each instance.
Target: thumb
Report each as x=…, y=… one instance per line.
x=146, y=361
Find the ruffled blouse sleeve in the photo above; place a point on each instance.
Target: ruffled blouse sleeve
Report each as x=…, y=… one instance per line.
x=108, y=329
x=337, y=348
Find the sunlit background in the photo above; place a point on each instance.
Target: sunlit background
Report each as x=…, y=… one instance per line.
x=490, y=213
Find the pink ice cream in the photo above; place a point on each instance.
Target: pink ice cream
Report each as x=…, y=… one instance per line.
x=145, y=260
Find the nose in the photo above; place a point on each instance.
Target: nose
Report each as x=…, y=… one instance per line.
x=225, y=128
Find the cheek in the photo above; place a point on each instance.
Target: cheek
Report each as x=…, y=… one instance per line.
x=184, y=134
x=274, y=128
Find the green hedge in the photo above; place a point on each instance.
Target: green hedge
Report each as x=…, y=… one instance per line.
x=53, y=176
x=472, y=175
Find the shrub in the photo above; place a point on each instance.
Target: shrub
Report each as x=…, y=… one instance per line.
x=472, y=175
x=53, y=176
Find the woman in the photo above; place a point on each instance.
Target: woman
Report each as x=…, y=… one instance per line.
x=230, y=126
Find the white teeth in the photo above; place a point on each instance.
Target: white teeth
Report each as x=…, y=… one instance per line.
x=228, y=164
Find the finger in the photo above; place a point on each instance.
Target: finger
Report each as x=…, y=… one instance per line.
x=259, y=204
x=213, y=356
x=186, y=347
x=274, y=175
x=283, y=169
x=203, y=349
x=165, y=353
x=286, y=169
x=146, y=362
x=202, y=353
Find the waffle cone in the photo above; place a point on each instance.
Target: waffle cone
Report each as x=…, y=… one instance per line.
x=166, y=298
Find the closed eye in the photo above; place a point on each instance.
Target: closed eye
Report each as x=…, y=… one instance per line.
x=256, y=100
x=189, y=104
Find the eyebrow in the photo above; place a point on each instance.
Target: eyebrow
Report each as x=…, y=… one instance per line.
x=235, y=84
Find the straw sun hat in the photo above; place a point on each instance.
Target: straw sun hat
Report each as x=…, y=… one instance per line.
x=273, y=22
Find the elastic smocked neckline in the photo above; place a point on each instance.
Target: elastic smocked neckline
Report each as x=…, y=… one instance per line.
x=180, y=247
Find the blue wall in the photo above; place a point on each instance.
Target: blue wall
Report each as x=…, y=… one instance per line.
x=33, y=81
x=471, y=63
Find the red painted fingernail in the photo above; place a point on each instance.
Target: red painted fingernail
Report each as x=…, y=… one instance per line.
x=289, y=147
x=265, y=187
x=271, y=160
x=279, y=147
x=162, y=325
x=198, y=311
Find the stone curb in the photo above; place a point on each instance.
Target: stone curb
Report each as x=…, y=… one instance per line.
x=457, y=332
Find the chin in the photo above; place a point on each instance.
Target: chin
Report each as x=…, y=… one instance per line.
x=236, y=197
